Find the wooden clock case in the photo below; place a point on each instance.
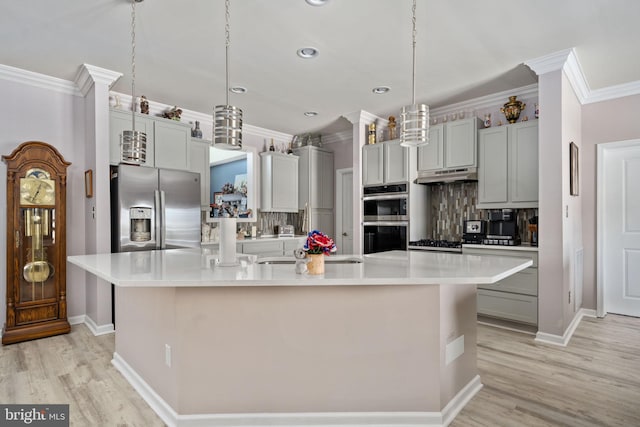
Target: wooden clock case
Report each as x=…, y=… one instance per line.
x=35, y=308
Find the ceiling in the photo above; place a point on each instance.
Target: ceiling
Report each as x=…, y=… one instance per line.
x=465, y=49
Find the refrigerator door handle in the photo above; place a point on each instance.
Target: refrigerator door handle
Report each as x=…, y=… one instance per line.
x=163, y=226
x=158, y=219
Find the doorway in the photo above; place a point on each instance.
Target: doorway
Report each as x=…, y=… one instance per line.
x=618, y=223
x=344, y=210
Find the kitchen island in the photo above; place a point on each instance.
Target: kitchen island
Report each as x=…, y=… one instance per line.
x=389, y=341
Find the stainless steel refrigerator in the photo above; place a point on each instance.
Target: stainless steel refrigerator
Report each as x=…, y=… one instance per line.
x=154, y=208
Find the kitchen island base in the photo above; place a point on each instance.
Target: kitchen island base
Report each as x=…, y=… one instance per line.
x=284, y=355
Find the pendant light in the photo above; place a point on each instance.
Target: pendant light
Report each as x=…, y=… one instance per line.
x=414, y=118
x=134, y=143
x=227, y=119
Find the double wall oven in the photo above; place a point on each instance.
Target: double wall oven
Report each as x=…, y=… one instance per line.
x=386, y=217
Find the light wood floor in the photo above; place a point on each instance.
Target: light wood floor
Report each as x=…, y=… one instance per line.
x=595, y=381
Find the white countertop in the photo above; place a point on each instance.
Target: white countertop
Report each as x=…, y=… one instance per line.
x=197, y=267
x=258, y=239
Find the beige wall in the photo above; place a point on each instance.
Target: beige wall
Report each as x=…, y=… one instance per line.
x=607, y=121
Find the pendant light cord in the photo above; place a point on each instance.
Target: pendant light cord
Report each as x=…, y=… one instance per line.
x=133, y=64
x=227, y=32
x=413, y=34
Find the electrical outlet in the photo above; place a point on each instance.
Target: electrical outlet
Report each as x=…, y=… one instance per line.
x=167, y=354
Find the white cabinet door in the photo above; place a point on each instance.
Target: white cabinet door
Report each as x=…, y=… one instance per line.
x=523, y=177
x=199, y=153
x=492, y=165
x=460, y=143
x=279, y=183
x=120, y=121
x=322, y=219
x=171, y=145
x=372, y=164
x=325, y=172
x=431, y=156
x=396, y=162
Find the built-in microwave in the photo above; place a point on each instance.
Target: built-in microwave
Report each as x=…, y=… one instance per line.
x=385, y=203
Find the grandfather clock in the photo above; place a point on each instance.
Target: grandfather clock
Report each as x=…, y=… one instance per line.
x=36, y=245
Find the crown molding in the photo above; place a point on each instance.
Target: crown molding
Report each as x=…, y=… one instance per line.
x=573, y=70
x=190, y=116
x=344, y=137
x=613, y=92
x=88, y=74
x=362, y=116
x=38, y=80
x=487, y=101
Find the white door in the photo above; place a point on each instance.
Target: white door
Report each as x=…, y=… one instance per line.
x=344, y=211
x=619, y=216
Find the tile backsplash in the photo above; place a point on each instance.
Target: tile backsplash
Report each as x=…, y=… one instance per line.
x=453, y=203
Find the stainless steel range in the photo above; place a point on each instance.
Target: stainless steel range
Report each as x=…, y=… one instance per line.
x=436, y=245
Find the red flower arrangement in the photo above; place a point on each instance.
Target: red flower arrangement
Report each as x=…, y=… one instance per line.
x=319, y=243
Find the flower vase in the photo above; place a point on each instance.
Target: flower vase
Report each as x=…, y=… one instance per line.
x=315, y=264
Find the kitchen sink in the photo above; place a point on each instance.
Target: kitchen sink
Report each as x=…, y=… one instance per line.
x=333, y=259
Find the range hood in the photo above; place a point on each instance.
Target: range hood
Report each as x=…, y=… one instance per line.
x=443, y=176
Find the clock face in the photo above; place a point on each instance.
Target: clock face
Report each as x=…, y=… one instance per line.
x=37, y=191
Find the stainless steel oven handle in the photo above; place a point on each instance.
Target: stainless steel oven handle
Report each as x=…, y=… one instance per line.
x=386, y=223
x=386, y=197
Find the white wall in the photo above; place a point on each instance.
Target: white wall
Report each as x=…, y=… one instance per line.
x=54, y=116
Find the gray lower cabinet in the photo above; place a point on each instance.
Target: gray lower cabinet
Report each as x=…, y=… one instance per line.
x=514, y=298
x=271, y=247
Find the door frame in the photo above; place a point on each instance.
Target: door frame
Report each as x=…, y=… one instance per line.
x=602, y=150
x=340, y=173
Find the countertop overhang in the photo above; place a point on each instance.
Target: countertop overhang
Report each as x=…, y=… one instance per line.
x=198, y=268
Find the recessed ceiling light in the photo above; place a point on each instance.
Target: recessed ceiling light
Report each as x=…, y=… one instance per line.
x=311, y=113
x=381, y=89
x=307, y=52
x=317, y=2
x=238, y=89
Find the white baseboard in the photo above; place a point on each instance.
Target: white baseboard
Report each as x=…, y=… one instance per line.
x=98, y=330
x=321, y=419
x=77, y=320
x=563, y=340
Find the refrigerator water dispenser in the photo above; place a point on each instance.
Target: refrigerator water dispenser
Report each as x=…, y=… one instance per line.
x=140, y=226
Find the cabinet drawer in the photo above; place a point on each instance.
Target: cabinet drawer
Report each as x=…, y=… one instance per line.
x=505, y=305
x=503, y=252
x=524, y=282
x=262, y=248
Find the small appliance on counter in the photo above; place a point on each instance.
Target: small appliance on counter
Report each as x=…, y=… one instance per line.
x=285, y=230
x=503, y=229
x=533, y=231
x=475, y=231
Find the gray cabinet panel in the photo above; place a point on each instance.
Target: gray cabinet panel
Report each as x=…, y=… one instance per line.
x=505, y=305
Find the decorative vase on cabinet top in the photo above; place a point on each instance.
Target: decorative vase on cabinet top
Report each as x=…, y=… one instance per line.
x=512, y=109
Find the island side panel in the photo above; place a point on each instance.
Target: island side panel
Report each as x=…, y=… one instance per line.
x=308, y=349
x=458, y=337
x=145, y=325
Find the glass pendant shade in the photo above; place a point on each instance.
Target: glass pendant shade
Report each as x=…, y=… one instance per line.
x=134, y=147
x=414, y=125
x=227, y=127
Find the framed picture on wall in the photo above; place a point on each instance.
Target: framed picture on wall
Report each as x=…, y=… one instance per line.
x=574, y=167
x=217, y=198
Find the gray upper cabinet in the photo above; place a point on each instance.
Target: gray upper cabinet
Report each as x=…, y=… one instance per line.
x=385, y=163
x=199, y=153
x=279, y=182
x=119, y=121
x=451, y=145
x=316, y=187
x=372, y=164
x=431, y=156
x=508, y=166
x=168, y=142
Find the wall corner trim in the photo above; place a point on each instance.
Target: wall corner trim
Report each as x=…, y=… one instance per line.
x=563, y=341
